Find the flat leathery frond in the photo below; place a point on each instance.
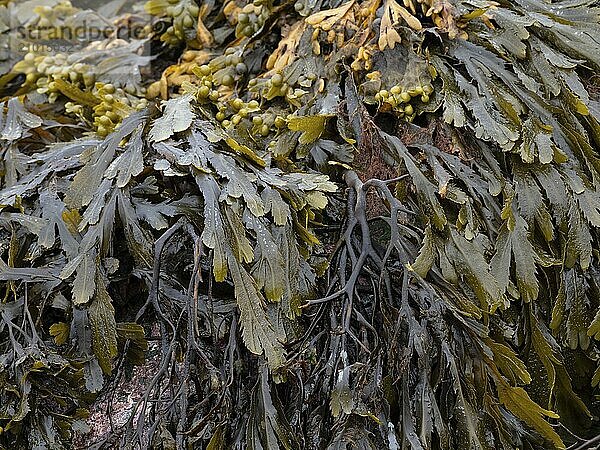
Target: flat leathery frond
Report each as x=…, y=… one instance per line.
x=267, y=427
x=240, y=183
x=17, y=120
x=89, y=177
x=566, y=79
x=104, y=328
x=468, y=261
x=274, y=204
x=177, y=116
x=130, y=163
x=268, y=270
x=213, y=234
x=84, y=284
x=561, y=391
x=424, y=187
x=532, y=205
x=193, y=181
x=516, y=242
x=260, y=334
x=240, y=245
x=517, y=401
x=426, y=258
